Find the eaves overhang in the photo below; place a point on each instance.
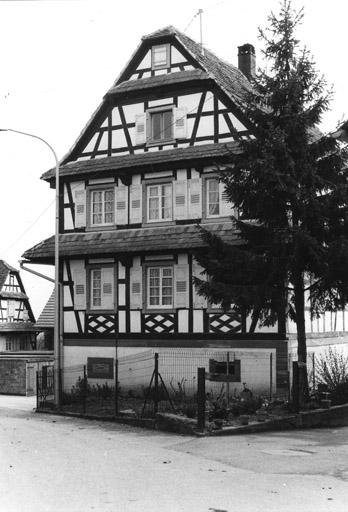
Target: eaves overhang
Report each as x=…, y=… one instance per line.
x=136, y=241
x=126, y=165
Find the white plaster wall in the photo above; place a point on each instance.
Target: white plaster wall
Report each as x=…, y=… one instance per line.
x=175, y=365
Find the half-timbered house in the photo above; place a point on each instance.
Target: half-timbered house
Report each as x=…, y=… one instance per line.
x=17, y=331
x=136, y=183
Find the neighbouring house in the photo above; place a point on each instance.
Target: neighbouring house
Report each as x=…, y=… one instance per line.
x=19, y=357
x=136, y=183
x=45, y=324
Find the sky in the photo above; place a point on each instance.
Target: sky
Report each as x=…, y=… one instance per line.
x=59, y=57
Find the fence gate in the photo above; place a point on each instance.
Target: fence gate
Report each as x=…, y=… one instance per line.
x=45, y=387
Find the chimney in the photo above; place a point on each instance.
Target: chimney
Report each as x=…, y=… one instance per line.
x=247, y=60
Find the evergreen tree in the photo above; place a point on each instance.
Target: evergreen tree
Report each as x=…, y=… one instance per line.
x=290, y=186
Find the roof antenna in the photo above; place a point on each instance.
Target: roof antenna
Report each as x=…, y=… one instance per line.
x=200, y=12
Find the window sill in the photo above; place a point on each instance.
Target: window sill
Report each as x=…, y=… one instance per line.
x=160, y=143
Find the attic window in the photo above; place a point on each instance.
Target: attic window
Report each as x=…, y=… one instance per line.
x=161, y=56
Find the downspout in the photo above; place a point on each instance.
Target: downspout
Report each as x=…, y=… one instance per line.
x=21, y=264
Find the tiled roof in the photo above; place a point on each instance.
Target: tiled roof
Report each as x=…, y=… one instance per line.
x=227, y=76
x=129, y=241
x=17, y=327
x=212, y=152
x=46, y=318
x=156, y=81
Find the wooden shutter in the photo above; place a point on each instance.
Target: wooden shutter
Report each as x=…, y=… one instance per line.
x=180, y=200
x=79, y=276
x=80, y=208
x=136, y=288
x=136, y=211
x=195, y=198
x=198, y=301
x=180, y=123
x=140, y=128
x=181, y=291
x=226, y=209
x=121, y=205
x=108, y=295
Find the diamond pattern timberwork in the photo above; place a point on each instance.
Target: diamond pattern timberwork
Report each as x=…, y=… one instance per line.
x=103, y=324
x=225, y=323
x=160, y=323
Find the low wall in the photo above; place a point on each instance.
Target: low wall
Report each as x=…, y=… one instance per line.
x=13, y=377
x=334, y=417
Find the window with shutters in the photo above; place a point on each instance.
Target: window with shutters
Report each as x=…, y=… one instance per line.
x=101, y=288
x=102, y=207
x=159, y=202
x=160, y=287
x=160, y=56
x=160, y=126
x=217, y=201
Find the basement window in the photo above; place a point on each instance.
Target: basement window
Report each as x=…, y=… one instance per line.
x=218, y=371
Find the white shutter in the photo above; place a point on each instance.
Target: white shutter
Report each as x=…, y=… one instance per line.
x=226, y=209
x=79, y=276
x=140, y=128
x=195, y=198
x=180, y=200
x=136, y=212
x=136, y=288
x=181, y=292
x=80, y=208
x=121, y=205
x=108, y=295
x=198, y=301
x=180, y=123
x=10, y=308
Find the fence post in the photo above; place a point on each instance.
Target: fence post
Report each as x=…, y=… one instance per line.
x=201, y=399
x=60, y=377
x=228, y=379
x=295, y=387
x=313, y=363
x=116, y=387
x=84, y=389
x=271, y=376
x=156, y=384
x=37, y=390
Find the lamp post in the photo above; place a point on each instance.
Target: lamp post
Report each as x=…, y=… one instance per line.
x=57, y=354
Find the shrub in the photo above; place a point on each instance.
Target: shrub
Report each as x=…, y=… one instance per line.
x=332, y=375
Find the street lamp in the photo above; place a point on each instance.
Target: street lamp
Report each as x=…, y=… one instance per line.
x=56, y=271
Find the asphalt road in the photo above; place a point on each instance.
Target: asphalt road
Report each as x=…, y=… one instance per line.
x=57, y=464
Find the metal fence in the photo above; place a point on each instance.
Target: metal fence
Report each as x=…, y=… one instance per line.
x=161, y=380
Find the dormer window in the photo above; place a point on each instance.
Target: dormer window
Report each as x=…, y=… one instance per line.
x=161, y=56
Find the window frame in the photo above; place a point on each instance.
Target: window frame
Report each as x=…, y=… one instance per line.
x=150, y=115
x=161, y=267
x=160, y=197
x=209, y=180
x=91, y=269
x=164, y=64
x=103, y=190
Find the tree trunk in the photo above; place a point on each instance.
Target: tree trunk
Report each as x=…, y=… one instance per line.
x=299, y=296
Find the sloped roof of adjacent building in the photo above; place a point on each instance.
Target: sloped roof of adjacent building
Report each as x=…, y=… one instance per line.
x=46, y=318
x=123, y=241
